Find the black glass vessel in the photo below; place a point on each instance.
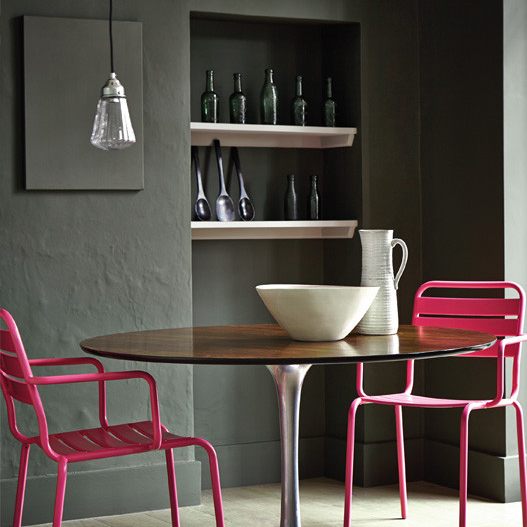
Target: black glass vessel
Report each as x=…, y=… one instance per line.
x=209, y=100
x=299, y=105
x=290, y=200
x=330, y=106
x=237, y=102
x=269, y=100
x=313, y=203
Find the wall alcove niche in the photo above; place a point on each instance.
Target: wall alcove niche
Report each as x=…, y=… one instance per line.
x=249, y=46
x=315, y=50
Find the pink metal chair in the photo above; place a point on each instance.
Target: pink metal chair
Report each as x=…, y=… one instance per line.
x=18, y=383
x=502, y=317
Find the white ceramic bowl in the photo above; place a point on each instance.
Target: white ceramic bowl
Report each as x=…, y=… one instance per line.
x=317, y=312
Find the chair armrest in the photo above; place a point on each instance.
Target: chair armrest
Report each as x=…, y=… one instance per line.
x=503, y=343
x=359, y=382
x=509, y=341
x=111, y=376
x=506, y=341
x=90, y=377
x=73, y=361
x=68, y=361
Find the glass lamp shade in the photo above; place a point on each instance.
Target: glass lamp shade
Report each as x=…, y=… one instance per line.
x=112, y=127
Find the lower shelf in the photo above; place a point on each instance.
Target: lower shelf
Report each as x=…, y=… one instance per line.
x=269, y=230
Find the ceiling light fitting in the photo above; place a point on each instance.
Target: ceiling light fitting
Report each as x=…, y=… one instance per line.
x=112, y=127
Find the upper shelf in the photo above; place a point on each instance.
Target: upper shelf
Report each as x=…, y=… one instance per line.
x=271, y=136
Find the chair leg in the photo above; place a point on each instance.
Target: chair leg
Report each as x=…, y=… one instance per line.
x=463, y=466
x=521, y=456
x=21, y=486
x=172, y=488
x=349, y=460
x=401, y=460
x=61, y=490
x=215, y=480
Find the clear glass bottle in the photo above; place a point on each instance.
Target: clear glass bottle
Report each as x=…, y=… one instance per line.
x=313, y=204
x=237, y=101
x=290, y=200
x=209, y=100
x=330, y=106
x=269, y=100
x=299, y=105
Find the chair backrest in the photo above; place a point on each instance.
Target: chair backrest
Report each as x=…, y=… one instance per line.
x=475, y=306
x=15, y=370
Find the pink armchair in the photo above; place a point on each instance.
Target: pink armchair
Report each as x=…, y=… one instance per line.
x=19, y=383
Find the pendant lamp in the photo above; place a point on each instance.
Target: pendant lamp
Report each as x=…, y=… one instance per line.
x=112, y=127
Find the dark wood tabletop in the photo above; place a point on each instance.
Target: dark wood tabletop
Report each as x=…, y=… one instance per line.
x=269, y=344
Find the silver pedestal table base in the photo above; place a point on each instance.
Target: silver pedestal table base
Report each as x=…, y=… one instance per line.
x=289, y=379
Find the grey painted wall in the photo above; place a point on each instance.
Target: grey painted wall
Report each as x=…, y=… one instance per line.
x=77, y=264
x=390, y=198
x=462, y=194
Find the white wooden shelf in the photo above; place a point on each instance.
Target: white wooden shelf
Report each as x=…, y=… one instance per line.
x=271, y=136
x=268, y=230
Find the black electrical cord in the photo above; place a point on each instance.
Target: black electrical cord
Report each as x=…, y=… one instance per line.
x=111, y=37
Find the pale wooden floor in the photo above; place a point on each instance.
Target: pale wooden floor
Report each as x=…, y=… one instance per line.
x=322, y=506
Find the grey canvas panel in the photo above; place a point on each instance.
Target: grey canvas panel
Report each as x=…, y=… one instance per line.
x=66, y=62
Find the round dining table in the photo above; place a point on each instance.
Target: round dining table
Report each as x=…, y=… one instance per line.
x=288, y=362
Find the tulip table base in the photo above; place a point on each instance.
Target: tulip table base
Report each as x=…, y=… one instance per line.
x=289, y=379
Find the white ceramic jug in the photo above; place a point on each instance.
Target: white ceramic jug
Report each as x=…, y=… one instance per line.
x=377, y=270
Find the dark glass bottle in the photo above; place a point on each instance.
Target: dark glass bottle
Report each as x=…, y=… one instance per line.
x=299, y=105
x=290, y=201
x=269, y=100
x=330, y=106
x=237, y=101
x=313, y=204
x=209, y=100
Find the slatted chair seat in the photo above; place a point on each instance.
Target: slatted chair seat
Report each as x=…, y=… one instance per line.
x=406, y=399
x=129, y=438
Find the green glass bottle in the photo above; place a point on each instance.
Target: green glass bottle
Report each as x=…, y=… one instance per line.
x=313, y=204
x=237, y=101
x=209, y=100
x=299, y=105
x=269, y=100
x=290, y=200
x=330, y=106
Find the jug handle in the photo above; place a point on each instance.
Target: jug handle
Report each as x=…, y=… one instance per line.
x=398, y=241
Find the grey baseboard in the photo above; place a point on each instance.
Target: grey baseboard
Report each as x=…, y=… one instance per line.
x=375, y=463
x=489, y=476
x=102, y=492
x=258, y=463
